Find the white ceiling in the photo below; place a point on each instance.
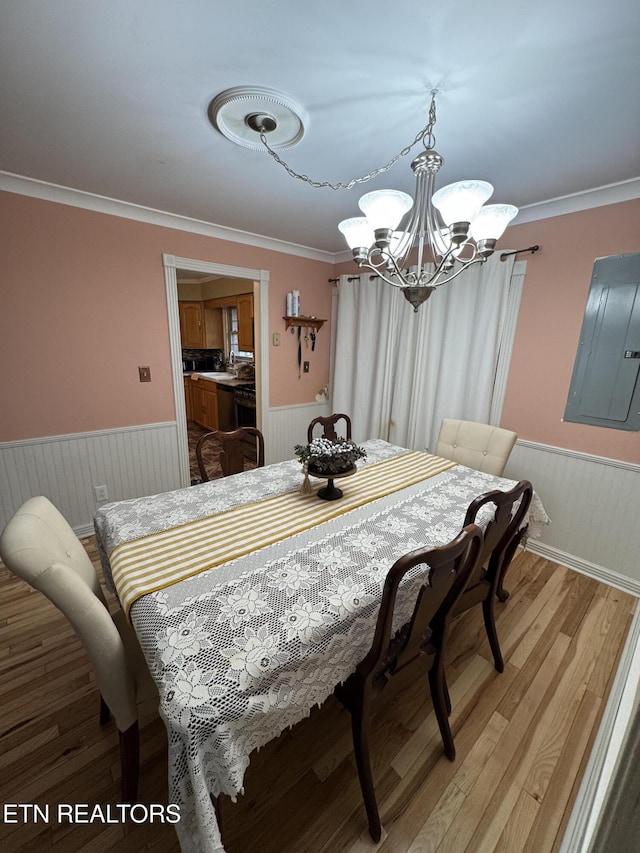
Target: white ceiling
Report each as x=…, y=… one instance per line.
x=540, y=98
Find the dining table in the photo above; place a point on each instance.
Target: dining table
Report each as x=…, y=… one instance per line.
x=252, y=598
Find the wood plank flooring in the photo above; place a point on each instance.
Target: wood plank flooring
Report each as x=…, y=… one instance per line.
x=522, y=737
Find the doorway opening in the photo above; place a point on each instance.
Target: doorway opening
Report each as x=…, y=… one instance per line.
x=217, y=325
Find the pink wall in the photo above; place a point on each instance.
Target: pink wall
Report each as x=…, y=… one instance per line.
x=83, y=304
x=549, y=323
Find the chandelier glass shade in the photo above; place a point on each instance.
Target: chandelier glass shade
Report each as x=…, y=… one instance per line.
x=445, y=231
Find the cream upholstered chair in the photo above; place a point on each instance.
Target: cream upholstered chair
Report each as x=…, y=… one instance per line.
x=39, y=546
x=480, y=446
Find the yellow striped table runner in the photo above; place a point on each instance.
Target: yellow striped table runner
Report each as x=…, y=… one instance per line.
x=158, y=560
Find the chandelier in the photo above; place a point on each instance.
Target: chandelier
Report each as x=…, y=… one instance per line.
x=416, y=244
x=449, y=229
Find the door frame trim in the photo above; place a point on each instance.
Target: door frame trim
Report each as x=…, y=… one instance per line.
x=260, y=279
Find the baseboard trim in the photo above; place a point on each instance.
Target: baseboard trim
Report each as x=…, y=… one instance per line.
x=599, y=573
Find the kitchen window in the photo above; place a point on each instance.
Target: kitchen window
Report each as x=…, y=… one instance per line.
x=230, y=321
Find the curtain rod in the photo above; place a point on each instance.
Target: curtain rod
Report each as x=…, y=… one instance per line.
x=531, y=249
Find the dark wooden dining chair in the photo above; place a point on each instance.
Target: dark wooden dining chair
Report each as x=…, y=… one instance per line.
x=423, y=636
x=329, y=426
x=501, y=538
x=237, y=446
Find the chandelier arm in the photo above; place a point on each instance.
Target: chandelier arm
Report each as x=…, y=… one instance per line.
x=435, y=225
x=476, y=260
x=412, y=229
x=388, y=266
x=407, y=279
x=381, y=274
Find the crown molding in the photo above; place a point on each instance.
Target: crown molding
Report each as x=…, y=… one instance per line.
x=585, y=200
x=9, y=182
x=45, y=191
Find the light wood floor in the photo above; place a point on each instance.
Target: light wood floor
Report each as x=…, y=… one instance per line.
x=522, y=737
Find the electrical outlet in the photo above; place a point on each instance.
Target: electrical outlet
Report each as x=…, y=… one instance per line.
x=101, y=493
x=305, y=366
x=276, y=339
x=145, y=374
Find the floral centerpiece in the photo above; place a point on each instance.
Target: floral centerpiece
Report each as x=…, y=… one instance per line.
x=324, y=456
x=328, y=458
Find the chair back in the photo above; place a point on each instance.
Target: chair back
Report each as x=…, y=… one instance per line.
x=237, y=446
x=40, y=547
x=449, y=569
x=501, y=529
x=329, y=427
x=480, y=446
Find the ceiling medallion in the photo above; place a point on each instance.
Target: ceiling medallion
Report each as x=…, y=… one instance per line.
x=244, y=112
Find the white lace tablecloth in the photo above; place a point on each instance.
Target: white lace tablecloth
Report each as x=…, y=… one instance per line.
x=243, y=651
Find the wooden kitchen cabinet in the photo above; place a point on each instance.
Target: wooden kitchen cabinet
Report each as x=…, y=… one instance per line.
x=244, y=307
x=201, y=325
x=192, y=330
x=213, y=328
x=188, y=404
x=221, y=302
x=211, y=406
x=204, y=401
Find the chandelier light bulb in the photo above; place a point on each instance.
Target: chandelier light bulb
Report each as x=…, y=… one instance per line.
x=385, y=208
x=491, y=221
x=461, y=202
x=357, y=232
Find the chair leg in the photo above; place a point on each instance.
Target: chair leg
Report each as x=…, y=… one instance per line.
x=501, y=593
x=447, y=697
x=492, y=634
x=437, y=685
x=130, y=762
x=360, y=730
x=105, y=713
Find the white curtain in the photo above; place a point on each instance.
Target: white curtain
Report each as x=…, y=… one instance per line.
x=398, y=373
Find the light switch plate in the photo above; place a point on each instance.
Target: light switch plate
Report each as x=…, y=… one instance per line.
x=145, y=374
x=276, y=339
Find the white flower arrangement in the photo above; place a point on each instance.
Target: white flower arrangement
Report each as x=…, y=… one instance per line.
x=325, y=456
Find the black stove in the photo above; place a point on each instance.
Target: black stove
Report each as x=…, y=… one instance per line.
x=245, y=395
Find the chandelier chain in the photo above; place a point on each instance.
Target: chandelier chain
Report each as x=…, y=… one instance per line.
x=425, y=135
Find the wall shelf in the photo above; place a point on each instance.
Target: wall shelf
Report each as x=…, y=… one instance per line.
x=309, y=322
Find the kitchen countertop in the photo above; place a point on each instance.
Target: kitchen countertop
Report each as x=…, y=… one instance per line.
x=219, y=379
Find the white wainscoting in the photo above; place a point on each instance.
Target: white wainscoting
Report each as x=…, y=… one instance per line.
x=287, y=426
x=131, y=461
x=593, y=503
